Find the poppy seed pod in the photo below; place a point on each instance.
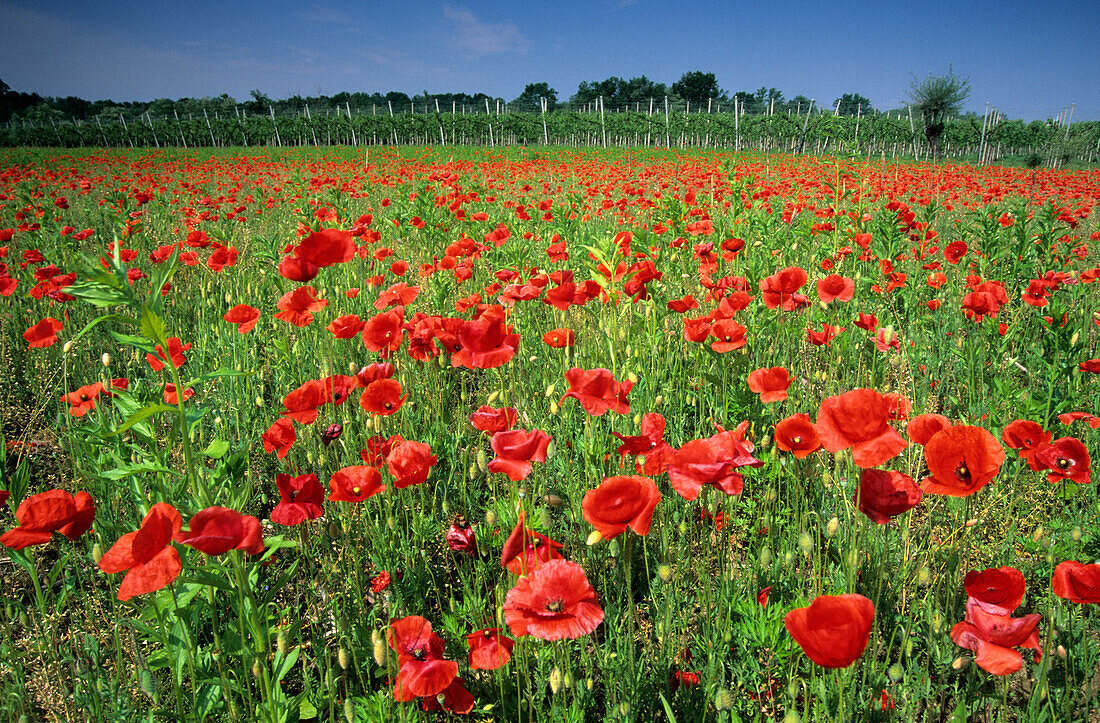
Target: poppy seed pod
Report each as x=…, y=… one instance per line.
x=555, y=680
x=343, y=657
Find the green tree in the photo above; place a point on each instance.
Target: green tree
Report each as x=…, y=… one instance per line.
x=853, y=103
x=937, y=98
x=698, y=87
x=529, y=98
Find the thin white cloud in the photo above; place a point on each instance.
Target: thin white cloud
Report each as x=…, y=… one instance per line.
x=326, y=15
x=475, y=38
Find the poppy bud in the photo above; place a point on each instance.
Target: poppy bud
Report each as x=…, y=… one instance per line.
x=257, y=671
x=331, y=434
x=624, y=709
x=1035, y=536
x=259, y=402
x=472, y=472
x=378, y=650
x=806, y=543
x=567, y=680
x=895, y=672
x=460, y=537
x=924, y=576
x=723, y=699
x=588, y=683
x=482, y=462
x=105, y=360
x=766, y=557
x=553, y=500
x=1075, y=338
x=959, y=663
x=853, y=557
x=658, y=401
x=555, y=680
x=553, y=409
x=349, y=710
x=281, y=641
x=343, y=657
x=1075, y=533
x=664, y=572
x=493, y=397
x=594, y=537
x=97, y=552
x=788, y=558
x=832, y=527
x=613, y=548
x=792, y=715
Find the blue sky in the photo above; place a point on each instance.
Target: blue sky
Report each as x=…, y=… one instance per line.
x=1029, y=59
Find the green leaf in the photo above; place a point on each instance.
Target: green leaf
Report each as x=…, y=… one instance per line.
x=282, y=667
x=97, y=295
x=139, y=468
x=138, y=342
x=667, y=707
x=216, y=449
x=141, y=415
x=153, y=327
x=205, y=577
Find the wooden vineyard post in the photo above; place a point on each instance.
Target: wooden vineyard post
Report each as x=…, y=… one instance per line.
x=126, y=129
x=981, y=143
x=347, y=107
x=668, y=134
x=545, y=131
x=179, y=125
x=736, y=126
x=208, y=128
x=805, y=125
x=489, y=122
x=912, y=133
x=603, y=129
x=859, y=110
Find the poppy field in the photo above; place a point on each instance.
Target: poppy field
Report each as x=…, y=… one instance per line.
x=547, y=435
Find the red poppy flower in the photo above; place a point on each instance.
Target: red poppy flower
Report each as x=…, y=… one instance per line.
x=355, y=484
x=867, y=322
x=487, y=343
x=525, y=549
x=1028, y=437
x=302, y=498
x=174, y=355
x=1066, y=458
x=680, y=306
x=1076, y=582
x=461, y=538
x=327, y=247
x=993, y=638
x=728, y=335
x=762, y=596
x=771, y=384
x=146, y=556
x=382, y=397
x=697, y=330
x=597, y=391
x=83, y=399
x=217, y=530
x=297, y=306
x=825, y=336
x=345, y=327
x=833, y=631
x=43, y=334
x=421, y=671
x=885, y=494
x=621, y=502
x=887, y=339
x=279, y=437
x=296, y=269
x=455, y=698
x=244, y=316
x=961, y=461
x=170, y=396
x=41, y=515
x=923, y=427
x=650, y=445
x=835, y=287
x=778, y=290
x=559, y=338
x=409, y=462
x=859, y=419
x=374, y=372
x=997, y=590
x=489, y=649
x=383, y=333
x=1089, y=419
x=712, y=461
x=553, y=602
x=491, y=420
x=955, y=252
x=302, y=403
x=400, y=294
x=798, y=435
x=516, y=449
